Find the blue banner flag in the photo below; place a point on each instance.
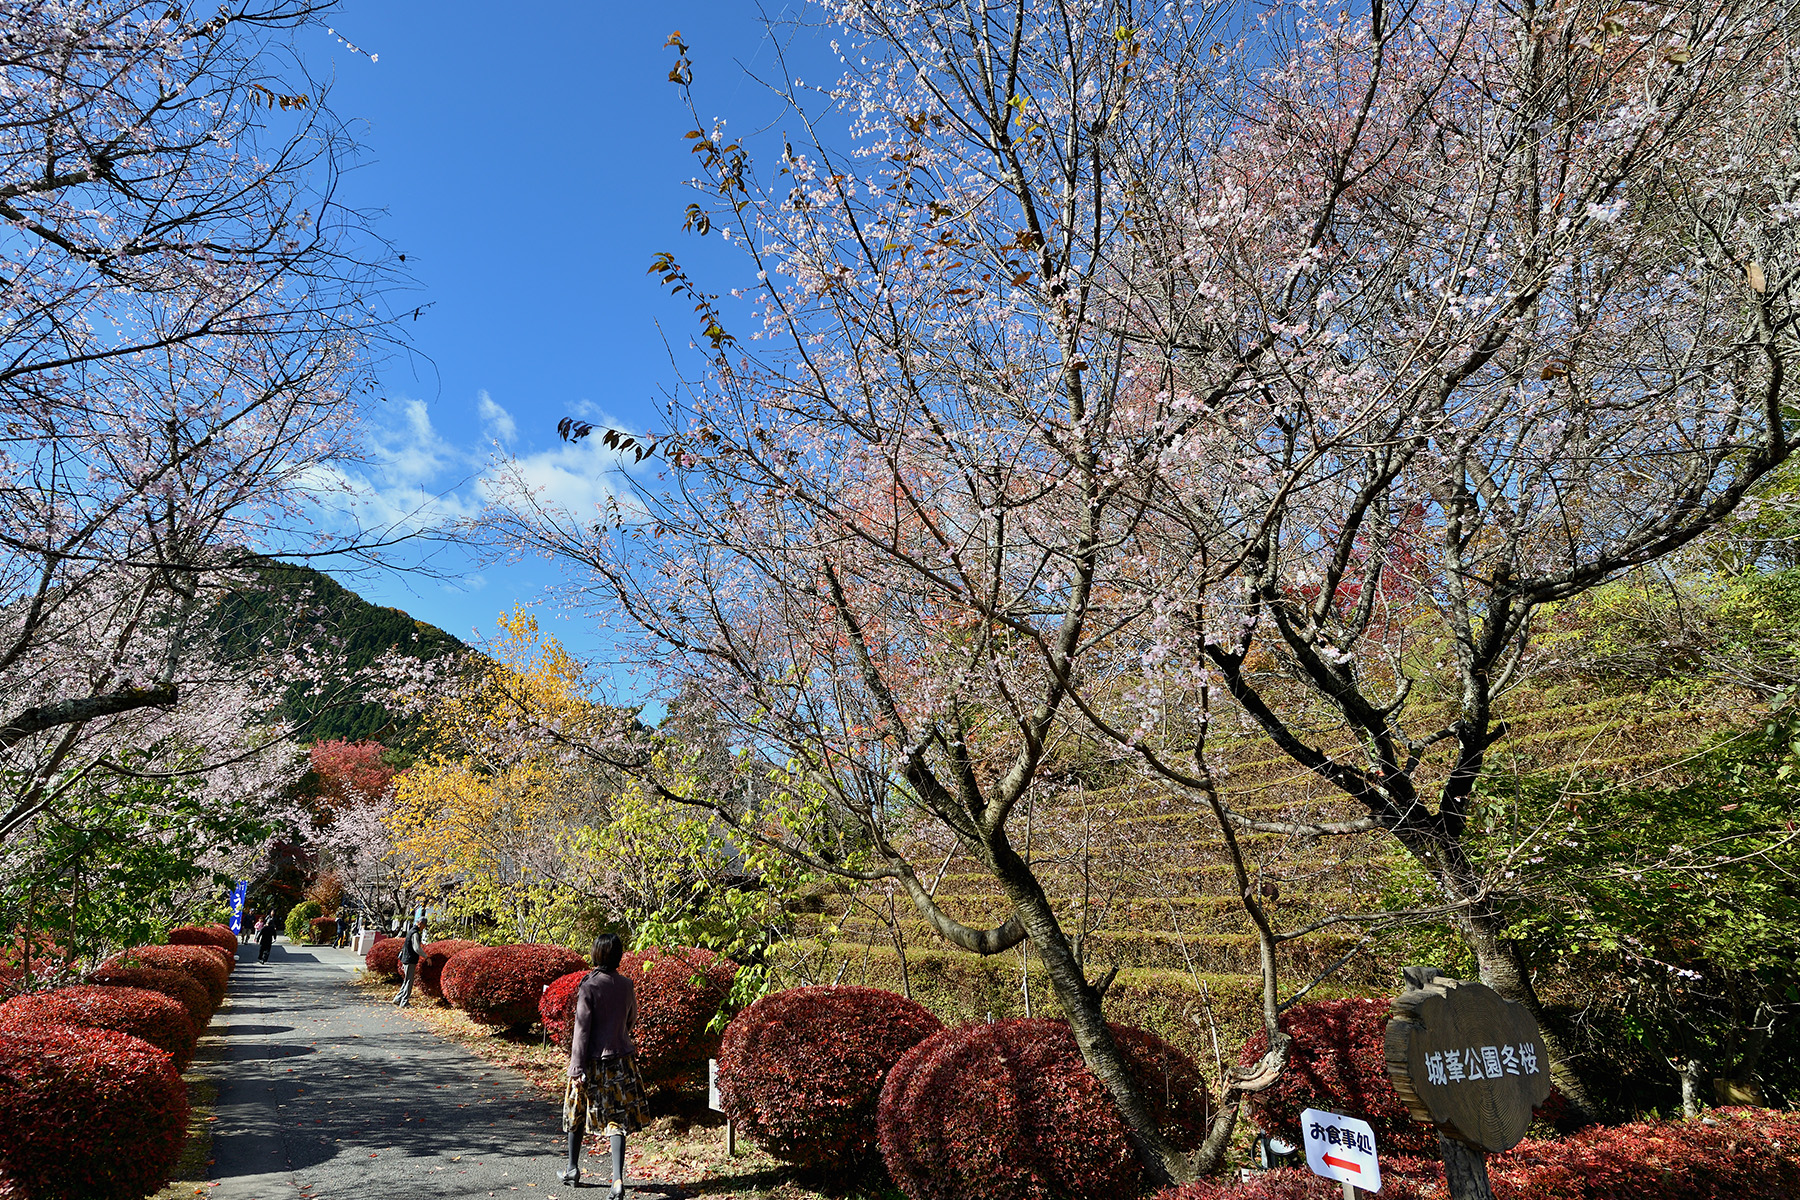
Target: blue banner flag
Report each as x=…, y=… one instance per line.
x=237, y=906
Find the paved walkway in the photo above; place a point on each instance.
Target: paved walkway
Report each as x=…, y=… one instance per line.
x=326, y=1092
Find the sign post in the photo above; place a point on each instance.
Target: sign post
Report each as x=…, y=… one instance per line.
x=715, y=1102
x=1341, y=1148
x=1471, y=1062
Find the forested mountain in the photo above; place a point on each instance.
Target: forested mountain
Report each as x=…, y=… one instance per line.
x=299, y=606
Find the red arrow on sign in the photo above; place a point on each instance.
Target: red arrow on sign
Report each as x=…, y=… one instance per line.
x=1332, y=1160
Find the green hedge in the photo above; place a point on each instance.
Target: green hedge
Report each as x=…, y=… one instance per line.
x=299, y=921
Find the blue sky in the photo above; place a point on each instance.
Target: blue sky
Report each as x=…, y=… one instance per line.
x=529, y=159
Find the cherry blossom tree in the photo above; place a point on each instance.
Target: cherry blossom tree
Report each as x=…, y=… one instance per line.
x=186, y=325
x=1137, y=365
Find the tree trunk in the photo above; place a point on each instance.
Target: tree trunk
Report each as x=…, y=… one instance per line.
x=1503, y=970
x=1465, y=1170
x=1497, y=958
x=1081, y=1004
x=1692, y=1076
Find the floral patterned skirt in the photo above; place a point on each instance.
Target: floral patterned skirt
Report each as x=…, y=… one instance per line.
x=610, y=1099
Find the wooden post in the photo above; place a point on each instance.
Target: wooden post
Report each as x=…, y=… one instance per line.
x=1349, y=1190
x=1465, y=1170
x=731, y=1139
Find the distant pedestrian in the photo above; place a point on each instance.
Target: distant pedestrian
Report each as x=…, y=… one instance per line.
x=411, y=950
x=265, y=937
x=606, y=1092
x=343, y=925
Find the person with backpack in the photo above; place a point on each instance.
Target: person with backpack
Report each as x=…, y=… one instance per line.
x=265, y=937
x=411, y=950
x=606, y=1093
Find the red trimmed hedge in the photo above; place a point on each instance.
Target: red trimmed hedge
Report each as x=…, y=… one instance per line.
x=556, y=1008
x=1339, y=1064
x=158, y=1019
x=679, y=992
x=206, y=935
x=91, y=1114
x=198, y=961
x=179, y=986
x=457, y=979
x=801, y=1070
x=501, y=985
x=383, y=958
x=1009, y=1111
x=226, y=960
x=432, y=960
x=1741, y=1153
x=322, y=931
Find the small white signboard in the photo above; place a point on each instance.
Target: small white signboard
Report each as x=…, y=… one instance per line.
x=1341, y=1148
x=712, y=1086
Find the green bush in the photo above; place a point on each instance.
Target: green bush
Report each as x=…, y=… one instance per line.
x=299, y=920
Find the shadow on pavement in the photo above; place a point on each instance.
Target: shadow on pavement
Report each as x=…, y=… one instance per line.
x=355, y=1099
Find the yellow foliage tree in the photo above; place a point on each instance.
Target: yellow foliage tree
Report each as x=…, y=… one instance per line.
x=478, y=820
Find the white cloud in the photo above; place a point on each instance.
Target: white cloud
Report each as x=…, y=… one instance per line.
x=573, y=478
x=496, y=422
x=411, y=478
x=410, y=451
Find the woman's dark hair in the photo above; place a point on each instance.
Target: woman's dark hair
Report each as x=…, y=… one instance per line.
x=609, y=948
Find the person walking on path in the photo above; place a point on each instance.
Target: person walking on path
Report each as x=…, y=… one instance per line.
x=605, y=1090
x=342, y=925
x=411, y=950
x=265, y=937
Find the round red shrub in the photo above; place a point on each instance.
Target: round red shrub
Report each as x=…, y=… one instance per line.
x=1743, y=1153
x=457, y=978
x=207, y=935
x=432, y=960
x=158, y=1019
x=501, y=985
x=383, y=958
x=225, y=959
x=1338, y=1063
x=91, y=1114
x=178, y=986
x=679, y=993
x=801, y=1070
x=556, y=1007
x=1010, y=1111
x=198, y=961
x=322, y=931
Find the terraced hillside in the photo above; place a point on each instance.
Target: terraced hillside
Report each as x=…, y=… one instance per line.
x=1140, y=879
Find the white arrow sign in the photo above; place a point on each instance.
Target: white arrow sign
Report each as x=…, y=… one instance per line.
x=1341, y=1148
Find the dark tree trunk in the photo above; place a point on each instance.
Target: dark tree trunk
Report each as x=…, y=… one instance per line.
x=1081, y=1003
x=1503, y=969
x=1498, y=959
x=1465, y=1170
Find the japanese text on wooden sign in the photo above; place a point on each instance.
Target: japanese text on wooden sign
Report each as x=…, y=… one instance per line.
x=1485, y=1062
x=1341, y=1148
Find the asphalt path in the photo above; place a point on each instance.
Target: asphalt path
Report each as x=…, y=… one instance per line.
x=326, y=1091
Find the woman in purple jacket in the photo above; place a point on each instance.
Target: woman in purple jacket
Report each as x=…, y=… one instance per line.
x=605, y=1090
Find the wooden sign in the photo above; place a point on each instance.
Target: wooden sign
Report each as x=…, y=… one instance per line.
x=1466, y=1059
